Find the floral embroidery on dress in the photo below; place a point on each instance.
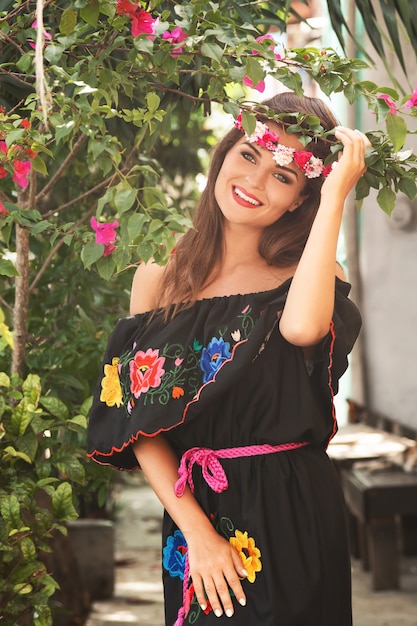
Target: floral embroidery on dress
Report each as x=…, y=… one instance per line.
x=212, y=357
x=111, y=392
x=146, y=370
x=172, y=371
x=249, y=554
x=174, y=556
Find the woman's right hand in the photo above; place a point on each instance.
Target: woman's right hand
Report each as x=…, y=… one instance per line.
x=215, y=568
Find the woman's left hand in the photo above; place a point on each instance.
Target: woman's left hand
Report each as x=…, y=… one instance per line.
x=351, y=164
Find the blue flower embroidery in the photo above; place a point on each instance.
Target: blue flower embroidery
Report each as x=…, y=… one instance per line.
x=213, y=356
x=174, y=554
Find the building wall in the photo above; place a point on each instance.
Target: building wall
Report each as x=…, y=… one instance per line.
x=388, y=275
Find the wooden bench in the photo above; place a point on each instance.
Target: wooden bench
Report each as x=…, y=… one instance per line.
x=376, y=498
x=378, y=535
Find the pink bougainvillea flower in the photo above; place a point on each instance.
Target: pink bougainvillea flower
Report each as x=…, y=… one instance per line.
x=177, y=35
x=3, y=211
x=21, y=170
x=412, y=102
x=46, y=35
x=389, y=102
x=259, y=87
x=31, y=154
x=143, y=24
x=3, y=147
x=109, y=248
x=105, y=233
x=3, y=172
x=125, y=7
x=25, y=124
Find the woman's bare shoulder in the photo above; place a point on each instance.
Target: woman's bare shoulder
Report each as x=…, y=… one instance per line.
x=145, y=287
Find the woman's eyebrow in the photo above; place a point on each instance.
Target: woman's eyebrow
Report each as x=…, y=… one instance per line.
x=281, y=167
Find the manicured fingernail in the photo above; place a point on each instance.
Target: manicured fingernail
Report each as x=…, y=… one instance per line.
x=244, y=572
x=229, y=612
x=203, y=607
x=217, y=613
x=242, y=601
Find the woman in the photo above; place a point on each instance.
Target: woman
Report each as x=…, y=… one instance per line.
x=220, y=386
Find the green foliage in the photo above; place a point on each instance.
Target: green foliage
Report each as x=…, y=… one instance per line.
x=37, y=467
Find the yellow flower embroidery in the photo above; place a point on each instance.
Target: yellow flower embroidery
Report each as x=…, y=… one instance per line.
x=249, y=554
x=111, y=392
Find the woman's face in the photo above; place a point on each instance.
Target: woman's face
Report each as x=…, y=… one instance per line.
x=252, y=190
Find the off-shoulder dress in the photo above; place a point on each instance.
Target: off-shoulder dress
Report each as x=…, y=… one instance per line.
x=250, y=419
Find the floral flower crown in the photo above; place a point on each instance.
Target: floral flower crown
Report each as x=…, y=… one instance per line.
x=312, y=166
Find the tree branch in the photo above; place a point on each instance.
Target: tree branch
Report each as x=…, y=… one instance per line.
x=54, y=179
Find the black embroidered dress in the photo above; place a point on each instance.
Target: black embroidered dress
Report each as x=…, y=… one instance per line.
x=220, y=375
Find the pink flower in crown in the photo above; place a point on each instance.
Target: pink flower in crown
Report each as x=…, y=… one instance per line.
x=177, y=35
x=312, y=166
x=143, y=23
x=3, y=172
x=21, y=170
x=105, y=233
x=389, y=102
x=259, y=87
x=412, y=102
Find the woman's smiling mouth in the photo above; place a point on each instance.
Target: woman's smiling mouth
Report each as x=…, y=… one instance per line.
x=245, y=198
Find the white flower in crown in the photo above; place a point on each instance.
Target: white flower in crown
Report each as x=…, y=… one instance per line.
x=283, y=155
x=259, y=132
x=314, y=167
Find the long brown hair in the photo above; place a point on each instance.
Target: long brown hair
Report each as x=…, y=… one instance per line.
x=200, y=251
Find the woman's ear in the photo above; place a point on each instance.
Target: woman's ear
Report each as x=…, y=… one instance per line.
x=302, y=198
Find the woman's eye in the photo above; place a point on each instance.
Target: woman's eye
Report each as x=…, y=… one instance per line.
x=248, y=156
x=282, y=178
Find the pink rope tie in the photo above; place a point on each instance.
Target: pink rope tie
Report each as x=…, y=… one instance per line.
x=212, y=469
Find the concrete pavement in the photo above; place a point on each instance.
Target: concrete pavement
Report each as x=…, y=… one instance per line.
x=137, y=597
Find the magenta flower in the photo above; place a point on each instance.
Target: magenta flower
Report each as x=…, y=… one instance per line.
x=412, y=102
x=389, y=102
x=125, y=7
x=143, y=24
x=21, y=170
x=3, y=172
x=3, y=211
x=3, y=147
x=177, y=35
x=259, y=87
x=46, y=35
x=105, y=232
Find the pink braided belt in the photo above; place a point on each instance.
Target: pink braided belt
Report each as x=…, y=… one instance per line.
x=212, y=469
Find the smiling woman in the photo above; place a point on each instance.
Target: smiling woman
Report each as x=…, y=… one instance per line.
x=229, y=363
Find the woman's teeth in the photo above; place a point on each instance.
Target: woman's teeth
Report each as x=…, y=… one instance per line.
x=242, y=195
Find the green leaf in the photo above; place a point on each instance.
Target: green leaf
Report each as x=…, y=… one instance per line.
x=4, y=380
x=55, y=406
x=12, y=452
x=124, y=198
x=91, y=253
x=39, y=166
x=62, y=505
x=106, y=267
x=397, y=130
x=7, y=268
x=10, y=511
x=386, y=200
x=90, y=12
x=28, y=548
x=212, y=50
x=135, y=225
x=68, y=21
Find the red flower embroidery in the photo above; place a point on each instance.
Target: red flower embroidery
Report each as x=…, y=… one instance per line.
x=146, y=370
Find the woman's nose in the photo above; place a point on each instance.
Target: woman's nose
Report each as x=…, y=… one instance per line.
x=257, y=177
